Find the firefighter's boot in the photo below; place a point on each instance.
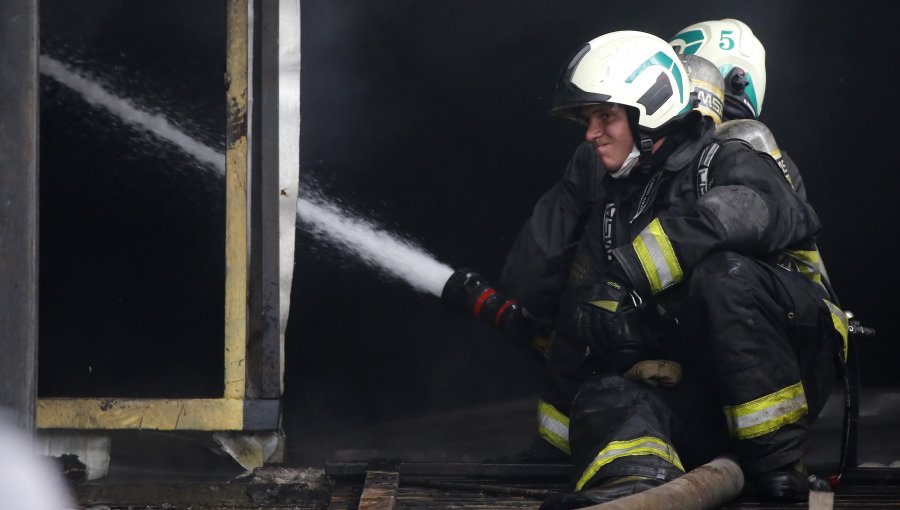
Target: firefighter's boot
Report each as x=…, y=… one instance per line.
x=788, y=483
x=609, y=490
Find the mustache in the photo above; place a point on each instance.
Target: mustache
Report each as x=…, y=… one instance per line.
x=595, y=142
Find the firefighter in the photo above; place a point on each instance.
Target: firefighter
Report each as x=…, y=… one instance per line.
x=730, y=45
x=539, y=264
x=697, y=341
x=741, y=58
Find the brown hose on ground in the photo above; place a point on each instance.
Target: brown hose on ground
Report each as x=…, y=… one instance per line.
x=708, y=486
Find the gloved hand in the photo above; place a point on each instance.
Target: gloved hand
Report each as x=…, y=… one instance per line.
x=655, y=372
x=541, y=342
x=467, y=293
x=609, y=321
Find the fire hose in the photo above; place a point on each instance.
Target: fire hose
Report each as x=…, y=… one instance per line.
x=708, y=486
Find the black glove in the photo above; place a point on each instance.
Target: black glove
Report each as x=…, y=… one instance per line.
x=610, y=321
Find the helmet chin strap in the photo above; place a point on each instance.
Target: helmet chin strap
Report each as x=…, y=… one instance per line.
x=646, y=149
x=642, y=140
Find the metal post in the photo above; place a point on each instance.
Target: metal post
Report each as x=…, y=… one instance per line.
x=19, y=207
x=275, y=170
x=263, y=145
x=288, y=151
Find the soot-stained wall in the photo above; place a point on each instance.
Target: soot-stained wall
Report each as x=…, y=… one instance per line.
x=431, y=118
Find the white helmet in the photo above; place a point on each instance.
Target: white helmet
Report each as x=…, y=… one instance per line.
x=633, y=69
x=740, y=57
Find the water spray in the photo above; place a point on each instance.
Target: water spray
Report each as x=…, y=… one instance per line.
x=373, y=245
x=97, y=95
x=463, y=292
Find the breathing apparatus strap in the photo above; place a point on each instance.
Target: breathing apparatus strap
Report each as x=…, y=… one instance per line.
x=609, y=225
x=701, y=177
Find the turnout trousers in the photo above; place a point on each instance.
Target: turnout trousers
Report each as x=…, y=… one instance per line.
x=760, y=347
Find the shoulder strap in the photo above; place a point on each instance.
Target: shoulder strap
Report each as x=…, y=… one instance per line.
x=609, y=217
x=703, y=164
x=703, y=179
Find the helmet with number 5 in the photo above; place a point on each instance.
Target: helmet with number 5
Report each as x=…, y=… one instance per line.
x=740, y=57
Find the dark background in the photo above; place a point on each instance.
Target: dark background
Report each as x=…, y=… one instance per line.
x=431, y=118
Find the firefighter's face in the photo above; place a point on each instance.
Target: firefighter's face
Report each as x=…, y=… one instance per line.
x=608, y=131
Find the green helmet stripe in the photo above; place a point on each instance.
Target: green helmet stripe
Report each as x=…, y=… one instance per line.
x=663, y=60
x=693, y=39
x=691, y=49
x=691, y=36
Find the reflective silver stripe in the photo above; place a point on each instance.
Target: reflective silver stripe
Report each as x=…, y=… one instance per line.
x=768, y=413
x=657, y=257
x=553, y=426
x=659, y=261
x=640, y=446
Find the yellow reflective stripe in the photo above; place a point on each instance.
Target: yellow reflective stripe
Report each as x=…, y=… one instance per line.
x=809, y=263
x=768, y=413
x=841, y=325
x=553, y=426
x=641, y=446
x=657, y=256
x=611, y=306
x=812, y=257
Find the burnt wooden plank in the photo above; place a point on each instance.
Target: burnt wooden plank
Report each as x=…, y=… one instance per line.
x=532, y=472
x=380, y=491
x=381, y=486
